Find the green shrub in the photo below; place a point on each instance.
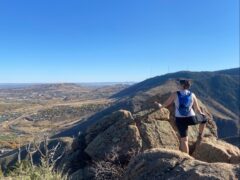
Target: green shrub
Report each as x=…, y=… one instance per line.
x=26, y=171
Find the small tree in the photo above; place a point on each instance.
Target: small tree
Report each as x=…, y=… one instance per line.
x=48, y=160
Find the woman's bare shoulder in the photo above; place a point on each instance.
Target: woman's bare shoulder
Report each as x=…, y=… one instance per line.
x=194, y=96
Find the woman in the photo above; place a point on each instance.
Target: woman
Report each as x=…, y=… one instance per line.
x=185, y=104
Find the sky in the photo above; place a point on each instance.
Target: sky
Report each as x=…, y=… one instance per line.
x=115, y=40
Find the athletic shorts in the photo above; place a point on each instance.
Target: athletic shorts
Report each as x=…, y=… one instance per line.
x=183, y=123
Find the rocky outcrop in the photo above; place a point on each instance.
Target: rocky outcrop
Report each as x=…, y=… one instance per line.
x=122, y=136
x=212, y=150
x=170, y=164
x=127, y=134
x=156, y=130
x=101, y=125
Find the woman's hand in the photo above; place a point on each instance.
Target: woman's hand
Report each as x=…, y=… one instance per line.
x=158, y=105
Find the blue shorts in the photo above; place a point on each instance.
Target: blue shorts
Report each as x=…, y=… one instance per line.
x=183, y=123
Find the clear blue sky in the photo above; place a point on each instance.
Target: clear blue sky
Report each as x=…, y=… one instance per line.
x=115, y=40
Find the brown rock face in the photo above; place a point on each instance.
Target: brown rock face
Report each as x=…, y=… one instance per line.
x=122, y=136
x=212, y=150
x=169, y=164
x=153, y=115
x=156, y=131
x=126, y=133
x=105, y=123
x=158, y=134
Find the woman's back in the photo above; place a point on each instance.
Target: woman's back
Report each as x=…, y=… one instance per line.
x=184, y=93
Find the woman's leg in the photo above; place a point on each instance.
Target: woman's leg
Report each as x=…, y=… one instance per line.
x=201, y=128
x=183, y=131
x=184, y=145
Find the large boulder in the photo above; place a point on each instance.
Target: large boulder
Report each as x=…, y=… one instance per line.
x=155, y=130
x=122, y=137
x=153, y=114
x=158, y=134
x=126, y=134
x=213, y=150
x=162, y=164
x=104, y=123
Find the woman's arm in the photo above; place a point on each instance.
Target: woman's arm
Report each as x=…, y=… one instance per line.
x=168, y=102
x=196, y=105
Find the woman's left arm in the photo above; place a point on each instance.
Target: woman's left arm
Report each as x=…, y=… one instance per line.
x=169, y=101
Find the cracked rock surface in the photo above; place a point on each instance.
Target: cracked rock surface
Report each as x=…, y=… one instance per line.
x=171, y=164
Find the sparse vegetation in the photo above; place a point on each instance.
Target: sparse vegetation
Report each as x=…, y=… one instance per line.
x=59, y=113
x=9, y=116
x=9, y=137
x=27, y=170
x=109, y=168
x=8, y=141
x=52, y=108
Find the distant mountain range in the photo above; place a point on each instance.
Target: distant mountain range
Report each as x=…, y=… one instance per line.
x=90, y=84
x=63, y=91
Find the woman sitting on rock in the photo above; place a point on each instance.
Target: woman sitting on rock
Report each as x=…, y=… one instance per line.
x=185, y=115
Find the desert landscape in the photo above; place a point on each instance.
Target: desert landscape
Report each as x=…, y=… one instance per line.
x=31, y=110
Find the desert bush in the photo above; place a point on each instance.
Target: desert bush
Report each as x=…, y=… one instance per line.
x=27, y=170
x=111, y=167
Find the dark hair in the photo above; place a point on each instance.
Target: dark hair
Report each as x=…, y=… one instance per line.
x=186, y=84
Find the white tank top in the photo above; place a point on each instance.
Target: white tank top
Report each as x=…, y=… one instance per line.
x=191, y=112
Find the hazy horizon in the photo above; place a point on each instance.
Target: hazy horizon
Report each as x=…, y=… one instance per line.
x=84, y=84
x=103, y=82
